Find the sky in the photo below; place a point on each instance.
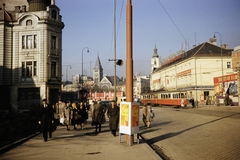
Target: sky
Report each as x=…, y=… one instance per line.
x=171, y=25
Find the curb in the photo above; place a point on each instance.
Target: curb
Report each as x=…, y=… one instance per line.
x=12, y=145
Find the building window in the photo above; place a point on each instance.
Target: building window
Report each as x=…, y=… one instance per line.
x=29, y=68
x=29, y=41
x=54, y=69
x=23, y=42
x=228, y=64
x=35, y=41
x=53, y=42
x=28, y=22
x=54, y=14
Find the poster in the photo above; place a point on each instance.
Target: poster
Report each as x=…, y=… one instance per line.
x=124, y=116
x=129, y=118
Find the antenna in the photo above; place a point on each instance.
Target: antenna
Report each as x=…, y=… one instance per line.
x=195, y=38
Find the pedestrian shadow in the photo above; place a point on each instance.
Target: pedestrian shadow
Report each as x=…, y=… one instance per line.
x=173, y=134
x=148, y=129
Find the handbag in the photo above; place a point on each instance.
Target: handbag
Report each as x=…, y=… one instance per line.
x=56, y=116
x=152, y=115
x=54, y=127
x=77, y=116
x=62, y=120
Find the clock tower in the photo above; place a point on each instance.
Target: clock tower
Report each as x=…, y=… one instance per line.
x=155, y=61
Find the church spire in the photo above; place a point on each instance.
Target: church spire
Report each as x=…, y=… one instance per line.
x=98, y=64
x=155, y=52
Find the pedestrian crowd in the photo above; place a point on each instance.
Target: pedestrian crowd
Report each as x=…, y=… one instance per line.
x=74, y=115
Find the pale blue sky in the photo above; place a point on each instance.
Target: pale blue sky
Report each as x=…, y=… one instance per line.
x=90, y=23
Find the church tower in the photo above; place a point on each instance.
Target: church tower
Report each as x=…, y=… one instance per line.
x=97, y=72
x=155, y=60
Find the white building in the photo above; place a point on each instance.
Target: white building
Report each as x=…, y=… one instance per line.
x=141, y=84
x=193, y=71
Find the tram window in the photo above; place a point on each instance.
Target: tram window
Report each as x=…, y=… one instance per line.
x=206, y=94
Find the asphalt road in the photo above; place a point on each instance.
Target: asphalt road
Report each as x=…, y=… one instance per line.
x=196, y=133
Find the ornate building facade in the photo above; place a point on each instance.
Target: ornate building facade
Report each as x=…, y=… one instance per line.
x=30, y=53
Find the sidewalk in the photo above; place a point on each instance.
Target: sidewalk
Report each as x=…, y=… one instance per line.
x=81, y=144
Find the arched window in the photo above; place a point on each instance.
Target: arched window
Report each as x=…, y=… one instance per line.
x=29, y=22
x=54, y=14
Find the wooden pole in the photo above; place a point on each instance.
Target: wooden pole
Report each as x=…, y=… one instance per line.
x=129, y=61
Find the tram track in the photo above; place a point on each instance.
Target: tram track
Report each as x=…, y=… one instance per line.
x=215, y=113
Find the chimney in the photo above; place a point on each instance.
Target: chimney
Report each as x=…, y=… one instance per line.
x=24, y=8
x=194, y=45
x=3, y=6
x=17, y=8
x=213, y=41
x=225, y=46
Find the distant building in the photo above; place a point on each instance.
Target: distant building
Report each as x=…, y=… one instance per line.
x=141, y=84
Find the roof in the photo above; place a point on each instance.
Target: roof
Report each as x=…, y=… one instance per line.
x=202, y=50
x=111, y=80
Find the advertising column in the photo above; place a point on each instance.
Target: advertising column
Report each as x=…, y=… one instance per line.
x=129, y=118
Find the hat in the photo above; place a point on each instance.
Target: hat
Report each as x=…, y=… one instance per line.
x=44, y=99
x=113, y=101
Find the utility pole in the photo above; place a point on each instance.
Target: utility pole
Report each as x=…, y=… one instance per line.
x=129, y=60
x=115, y=81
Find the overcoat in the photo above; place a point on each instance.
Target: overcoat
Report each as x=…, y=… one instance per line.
x=149, y=108
x=68, y=114
x=46, y=116
x=113, y=115
x=98, y=116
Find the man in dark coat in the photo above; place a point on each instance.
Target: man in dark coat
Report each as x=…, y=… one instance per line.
x=113, y=115
x=98, y=116
x=46, y=119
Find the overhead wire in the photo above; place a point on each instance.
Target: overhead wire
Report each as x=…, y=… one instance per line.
x=172, y=20
x=119, y=22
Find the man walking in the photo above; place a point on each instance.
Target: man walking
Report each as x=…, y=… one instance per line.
x=46, y=119
x=98, y=116
x=113, y=115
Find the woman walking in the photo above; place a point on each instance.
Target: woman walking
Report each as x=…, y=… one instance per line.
x=144, y=115
x=82, y=113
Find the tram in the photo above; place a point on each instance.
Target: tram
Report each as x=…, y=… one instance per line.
x=165, y=98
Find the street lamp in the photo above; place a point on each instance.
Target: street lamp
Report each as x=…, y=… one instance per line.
x=82, y=62
x=67, y=72
x=221, y=58
x=118, y=62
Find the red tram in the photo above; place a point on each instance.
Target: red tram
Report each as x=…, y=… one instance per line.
x=165, y=98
